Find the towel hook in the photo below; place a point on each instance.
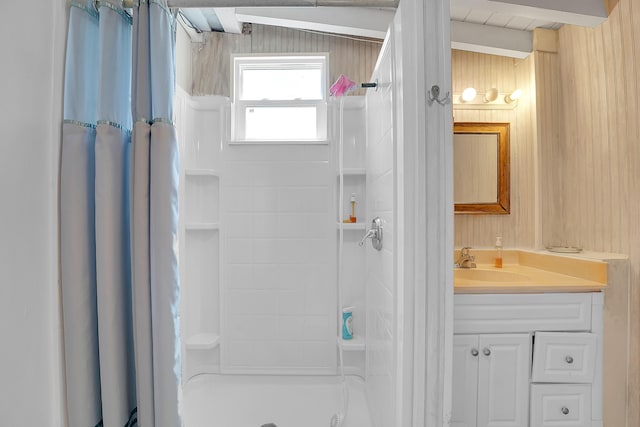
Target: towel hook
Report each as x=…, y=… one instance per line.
x=434, y=95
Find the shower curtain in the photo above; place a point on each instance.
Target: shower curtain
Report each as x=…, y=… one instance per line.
x=119, y=207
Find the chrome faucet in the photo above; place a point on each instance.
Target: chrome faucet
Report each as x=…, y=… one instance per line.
x=466, y=260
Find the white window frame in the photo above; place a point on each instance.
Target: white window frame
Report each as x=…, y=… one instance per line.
x=240, y=62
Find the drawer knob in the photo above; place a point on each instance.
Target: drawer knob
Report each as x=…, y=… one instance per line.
x=474, y=352
x=569, y=360
x=486, y=352
x=565, y=410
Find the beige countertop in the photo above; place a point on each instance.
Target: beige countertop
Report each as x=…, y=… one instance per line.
x=530, y=272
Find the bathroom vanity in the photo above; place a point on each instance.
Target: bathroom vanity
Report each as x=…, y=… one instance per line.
x=527, y=348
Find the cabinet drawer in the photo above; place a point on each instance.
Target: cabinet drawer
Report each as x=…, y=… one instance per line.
x=560, y=405
x=564, y=357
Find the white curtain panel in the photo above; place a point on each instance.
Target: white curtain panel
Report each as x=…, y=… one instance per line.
x=119, y=217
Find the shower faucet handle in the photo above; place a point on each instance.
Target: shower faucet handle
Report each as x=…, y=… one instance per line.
x=370, y=235
x=374, y=233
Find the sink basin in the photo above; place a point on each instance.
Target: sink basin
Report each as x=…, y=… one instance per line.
x=480, y=275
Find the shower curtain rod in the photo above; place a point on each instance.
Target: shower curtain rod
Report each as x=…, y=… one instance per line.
x=276, y=3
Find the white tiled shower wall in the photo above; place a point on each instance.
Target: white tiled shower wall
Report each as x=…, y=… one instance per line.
x=279, y=266
x=381, y=266
x=265, y=281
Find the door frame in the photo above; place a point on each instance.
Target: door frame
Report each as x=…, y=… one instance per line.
x=425, y=212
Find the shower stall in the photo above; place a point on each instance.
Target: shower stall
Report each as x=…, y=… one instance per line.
x=269, y=258
x=267, y=263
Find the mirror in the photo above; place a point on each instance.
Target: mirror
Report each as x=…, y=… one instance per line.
x=481, y=168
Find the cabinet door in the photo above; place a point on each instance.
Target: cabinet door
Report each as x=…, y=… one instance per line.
x=465, y=380
x=503, y=380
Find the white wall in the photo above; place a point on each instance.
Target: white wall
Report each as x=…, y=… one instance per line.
x=32, y=50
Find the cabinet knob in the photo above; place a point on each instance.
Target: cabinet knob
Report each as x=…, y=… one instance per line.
x=565, y=410
x=474, y=352
x=569, y=360
x=486, y=351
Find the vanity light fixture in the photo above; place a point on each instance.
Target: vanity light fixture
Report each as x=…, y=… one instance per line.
x=491, y=99
x=513, y=96
x=468, y=94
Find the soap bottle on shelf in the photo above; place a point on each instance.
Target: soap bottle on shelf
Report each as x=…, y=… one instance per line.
x=352, y=217
x=498, y=263
x=347, y=323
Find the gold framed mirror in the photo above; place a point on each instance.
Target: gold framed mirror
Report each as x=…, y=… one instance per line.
x=481, y=168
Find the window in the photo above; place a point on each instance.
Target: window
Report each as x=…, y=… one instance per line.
x=279, y=98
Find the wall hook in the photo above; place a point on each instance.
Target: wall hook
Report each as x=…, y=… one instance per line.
x=434, y=95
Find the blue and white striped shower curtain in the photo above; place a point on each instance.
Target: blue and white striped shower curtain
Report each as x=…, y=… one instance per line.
x=119, y=208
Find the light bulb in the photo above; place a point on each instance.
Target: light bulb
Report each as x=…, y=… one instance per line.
x=468, y=94
x=513, y=96
x=491, y=95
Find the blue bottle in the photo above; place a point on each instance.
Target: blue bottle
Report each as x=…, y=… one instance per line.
x=347, y=323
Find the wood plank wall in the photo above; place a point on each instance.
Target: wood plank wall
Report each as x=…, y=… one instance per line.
x=590, y=170
x=549, y=126
x=482, y=72
x=212, y=66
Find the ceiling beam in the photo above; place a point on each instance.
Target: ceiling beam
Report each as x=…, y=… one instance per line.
x=374, y=23
x=229, y=20
x=197, y=18
x=585, y=8
x=363, y=22
x=240, y=3
x=369, y=21
x=491, y=40
x=585, y=13
x=282, y=3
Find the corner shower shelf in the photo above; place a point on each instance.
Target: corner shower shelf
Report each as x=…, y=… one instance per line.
x=352, y=226
x=201, y=172
x=202, y=226
x=203, y=342
x=353, y=171
x=357, y=343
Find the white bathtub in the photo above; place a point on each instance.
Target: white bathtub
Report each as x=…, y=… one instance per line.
x=286, y=401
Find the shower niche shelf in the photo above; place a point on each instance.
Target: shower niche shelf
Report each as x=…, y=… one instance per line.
x=201, y=172
x=354, y=171
x=351, y=178
x=202, y=342
x=353, y=182
x=202, y=226
x=357, y=343
x=200, y=124
x=347, y=226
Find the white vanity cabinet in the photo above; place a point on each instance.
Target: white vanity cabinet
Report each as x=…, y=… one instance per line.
x=491, y=380
x=527, y=360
